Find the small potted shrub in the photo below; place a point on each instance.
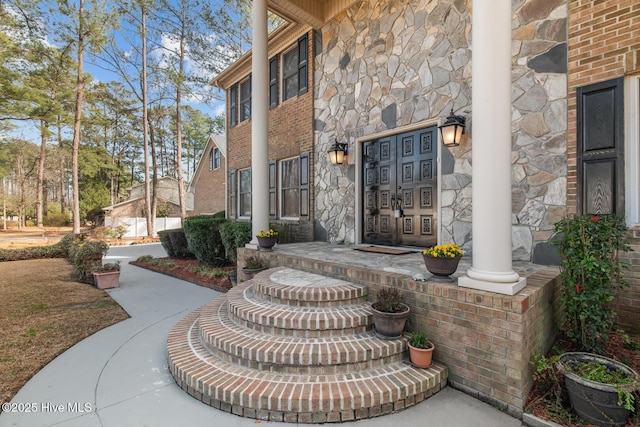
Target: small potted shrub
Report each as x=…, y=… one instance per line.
x=107, y=276
x=252, y=266
x=390, y=314
x=420, y=349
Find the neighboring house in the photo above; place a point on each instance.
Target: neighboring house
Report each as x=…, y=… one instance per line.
x=208, y=184
x=290, y=131
x=168, y=201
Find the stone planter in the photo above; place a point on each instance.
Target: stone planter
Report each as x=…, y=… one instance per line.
x=389, y=325
x=596, y=403
x=421, y=357
x=267, y=243
x=106, y=279
x=440, y=267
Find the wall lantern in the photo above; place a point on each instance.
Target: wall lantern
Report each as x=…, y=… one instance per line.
x=452, y=130
x=337, y=152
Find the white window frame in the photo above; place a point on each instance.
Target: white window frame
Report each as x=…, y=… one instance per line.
x=283, y=99
x=281, y=198
x=241, y=117
x=239, y=212
x=632, y=149
x=217, y=158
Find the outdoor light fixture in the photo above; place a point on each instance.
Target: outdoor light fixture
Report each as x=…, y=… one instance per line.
x=337, y=152
x=452, y=130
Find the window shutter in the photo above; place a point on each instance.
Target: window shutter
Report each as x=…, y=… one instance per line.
x=273, y=82
x=303, y=75
x=233, y=106
x=304, y=185
x=601, y=148
x=273, y=184
x=232, y=194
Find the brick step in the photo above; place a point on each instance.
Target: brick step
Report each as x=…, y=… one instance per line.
x=294, y=397
x=294, y=288
x=277, y=353
x=247, y=309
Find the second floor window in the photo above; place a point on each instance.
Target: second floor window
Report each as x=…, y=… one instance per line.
x=245, y=100
x=233, y=106
x=216, y=158
x=294, y=70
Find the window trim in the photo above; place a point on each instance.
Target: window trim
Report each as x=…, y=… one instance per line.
x=245, y=101
x=632, y=149
x=217, y=159
x=240, y=193
x=301, y=69
x=211, y=161
x=281, y=189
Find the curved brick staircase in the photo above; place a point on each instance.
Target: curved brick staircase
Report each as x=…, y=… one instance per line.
x=295, y=347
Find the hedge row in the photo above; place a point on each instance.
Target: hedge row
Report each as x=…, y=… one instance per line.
x=175, y=243
x=204, y=240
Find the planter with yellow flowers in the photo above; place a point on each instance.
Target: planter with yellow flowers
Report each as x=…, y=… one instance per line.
x=442, y=260
x=267, y=239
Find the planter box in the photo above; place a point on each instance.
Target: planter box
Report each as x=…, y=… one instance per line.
x=106, y=279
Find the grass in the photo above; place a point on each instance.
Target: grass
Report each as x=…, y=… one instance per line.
x=44, y=312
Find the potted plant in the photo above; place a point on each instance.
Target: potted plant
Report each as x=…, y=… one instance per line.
x=86, y=256
x=600, y=389
x=390, y=314
x=590, y=278
x=107, y=276
x=252, y=266
x=442, y=260
x=267, y=239
x=420, y=349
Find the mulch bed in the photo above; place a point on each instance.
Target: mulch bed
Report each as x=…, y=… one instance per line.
x=615, y=349
x=220, y=284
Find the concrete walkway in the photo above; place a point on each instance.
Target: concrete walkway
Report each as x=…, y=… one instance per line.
x=119, y=376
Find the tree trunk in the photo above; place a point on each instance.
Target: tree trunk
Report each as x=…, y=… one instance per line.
x=63, y=187
x=181, y=192
x=40, y=181
x=76, y=122
x=145, y=119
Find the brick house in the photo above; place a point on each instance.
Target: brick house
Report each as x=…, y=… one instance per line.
x=384, y=76
x=290, y=132
x=208, y=184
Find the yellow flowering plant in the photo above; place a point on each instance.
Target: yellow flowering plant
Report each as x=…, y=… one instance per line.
x=268, y=233
x=450, y=250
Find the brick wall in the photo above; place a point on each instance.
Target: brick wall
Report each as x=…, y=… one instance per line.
x=485, y=339
x=604, y=43
x=209, y=191
x=290, y=134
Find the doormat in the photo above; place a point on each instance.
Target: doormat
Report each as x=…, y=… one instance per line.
x=387, y=251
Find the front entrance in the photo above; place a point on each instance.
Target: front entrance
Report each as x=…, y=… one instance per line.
x=400, y=189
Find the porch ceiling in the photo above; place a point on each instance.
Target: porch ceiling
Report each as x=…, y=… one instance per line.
x=314, y=13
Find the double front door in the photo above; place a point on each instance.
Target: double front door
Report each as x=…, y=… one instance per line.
x=400, y=189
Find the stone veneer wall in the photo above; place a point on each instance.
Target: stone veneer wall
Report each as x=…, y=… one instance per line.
x=383, y=65
x=485, y=339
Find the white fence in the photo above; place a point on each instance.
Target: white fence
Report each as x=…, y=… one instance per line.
x=137, y=227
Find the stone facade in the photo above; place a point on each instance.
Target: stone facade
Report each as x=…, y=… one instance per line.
x=384, y=65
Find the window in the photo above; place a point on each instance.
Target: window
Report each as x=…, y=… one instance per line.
x=216, y=158
x=290, y=188
x=245, y=100
x=233, y=106
x=211, y=159
x=294, y=70
x=244, y=208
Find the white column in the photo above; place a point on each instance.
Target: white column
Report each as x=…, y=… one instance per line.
x=259, y=123
x=491, y=150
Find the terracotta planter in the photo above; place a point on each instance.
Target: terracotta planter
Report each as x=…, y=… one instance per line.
x=389, y=325
x=421, y=357
x=595, y=402
x=106, y=279
x=441, y=267
x=267, y=243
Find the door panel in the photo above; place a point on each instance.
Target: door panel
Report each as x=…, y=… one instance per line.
x=400, y=175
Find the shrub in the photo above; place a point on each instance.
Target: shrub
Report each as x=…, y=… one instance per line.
x=55, y=220
x=58, y=250
x=389, y=300
x=235, y=235
x=165, y=240
x=179, y=244
x=204, y=240
x=82, y=250
x=590, y=275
